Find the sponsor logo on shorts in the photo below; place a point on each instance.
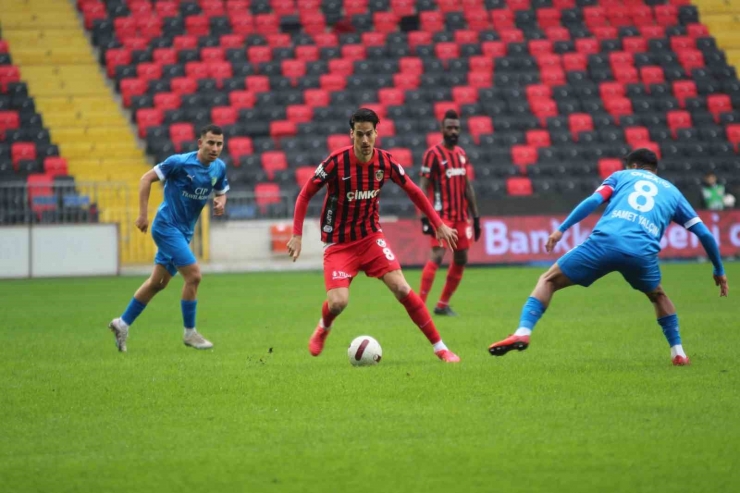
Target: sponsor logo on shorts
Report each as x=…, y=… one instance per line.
x=338, y=274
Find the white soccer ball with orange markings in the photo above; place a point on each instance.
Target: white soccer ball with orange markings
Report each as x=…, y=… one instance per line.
x=364, y=351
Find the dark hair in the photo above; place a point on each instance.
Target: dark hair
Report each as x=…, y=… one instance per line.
x=642, y=158
x=364, y=115
x=451, y=115
x=214, y=129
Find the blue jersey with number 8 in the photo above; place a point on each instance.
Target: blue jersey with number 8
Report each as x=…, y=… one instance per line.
x=640, y=208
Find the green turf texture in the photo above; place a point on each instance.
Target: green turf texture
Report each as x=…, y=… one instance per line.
x=593, y=405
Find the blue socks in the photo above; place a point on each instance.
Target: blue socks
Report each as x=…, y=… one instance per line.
x=188, y=313
x=669, y=324
x=133, y=310
x=531, y=313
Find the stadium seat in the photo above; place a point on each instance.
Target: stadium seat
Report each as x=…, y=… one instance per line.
x=273, y=161
x=303, y=174
x=239, y=146
x=518, y=186
x=55, y=166
x=267, y=194
x=20, y=151
x=607, y=166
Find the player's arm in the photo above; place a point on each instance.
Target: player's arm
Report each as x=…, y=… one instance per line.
x=444, y=232
x=145, y=189
x=473, y=205
x=219, y=198
x=311, y=188
x=581, y=212
x=425, y=183
x=687, y=217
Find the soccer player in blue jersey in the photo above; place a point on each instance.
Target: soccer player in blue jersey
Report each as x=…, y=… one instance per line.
x=188, y=180
x=626, y=240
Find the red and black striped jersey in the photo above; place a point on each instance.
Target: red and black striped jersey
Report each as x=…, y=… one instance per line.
x=447, y=171
x=350, y=210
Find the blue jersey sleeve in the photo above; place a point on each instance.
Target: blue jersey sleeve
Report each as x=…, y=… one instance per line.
x=167, y=167
x=222, y=184
x=685, y=215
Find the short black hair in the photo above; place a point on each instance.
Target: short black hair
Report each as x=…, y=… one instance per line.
x=364, y=115
x=642, y=158
x=450, y=115
x=214, y=129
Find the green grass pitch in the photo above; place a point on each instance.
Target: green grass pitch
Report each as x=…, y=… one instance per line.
x=593, y=405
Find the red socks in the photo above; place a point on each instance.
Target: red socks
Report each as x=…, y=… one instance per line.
x=454, y=275
x=327, y=317
x=427, y=279
x=418, y=312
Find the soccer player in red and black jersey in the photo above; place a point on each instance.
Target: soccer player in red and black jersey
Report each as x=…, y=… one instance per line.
x=444, y=175
x=351, y=233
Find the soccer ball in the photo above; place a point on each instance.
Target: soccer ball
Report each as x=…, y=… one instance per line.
x=364, y=351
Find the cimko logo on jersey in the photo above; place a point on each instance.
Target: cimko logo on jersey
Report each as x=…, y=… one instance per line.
x=456, y=172
x=362, y=194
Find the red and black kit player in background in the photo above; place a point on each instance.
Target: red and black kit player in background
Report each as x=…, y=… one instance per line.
x=353, y=240
x=444, y=174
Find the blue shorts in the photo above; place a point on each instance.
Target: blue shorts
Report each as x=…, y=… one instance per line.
x=173, y=247
x=590, y=261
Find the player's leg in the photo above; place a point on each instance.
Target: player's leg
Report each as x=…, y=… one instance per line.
x=157, y=281
x=454, y=276
x=436, y=256
x=336, y=301
x=418, y=312
x=192, y=276
x=665, y=312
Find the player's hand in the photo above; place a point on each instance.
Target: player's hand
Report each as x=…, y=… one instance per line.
x=142, y=223
x=721, y=281
x=447, y=235
x=426, y=227
x=294, y=247
x=219, y=205
x=553, y=240
x=476, y=228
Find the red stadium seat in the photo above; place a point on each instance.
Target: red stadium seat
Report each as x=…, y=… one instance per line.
x=242, y=99
x=511, y=35
x=283, y=7
x=385, y=22
x=307, y=53
x=448, y=5
x=132, y=87
x=548, y=17
x=594, y=16
x=324, y=40
x=652, y=32
x=605, y=32
x=273, y=161
x=503, y=19
x=519, y=4
x=386, y=128
x=340, y=66
x=464, y=95
x=678, y=119
x=549, y=61
x=635, y=135
x=115, y=57
x=220, y=71
x=681, y=43
x=621, y=58
x=181, y=132
x=293, y=69
x=432, y=21
x=403, y=8
x=183, y=85
x=634, y=44
x=279, y=40
x=416, y=38
x=337, y=141
x=267, y=194
x=697, y=30
x=402, y=156
x=39, y=187
x=149, y=71
x=282, y=128
x=212, y=8
x=313, y=21
x=55, y=166
x=20, y=151
x=652, y=75
x=618, y=107
x=257, y=83
x=479, y=125
x=3, y=46
x=242, y=23
x=717, y=104
x=391, y=96
x=259, y=54
x=197, y=25
x=537, y=91
x=652, y=146
x=434, y=138
x=231, y=41
x=493, y=49
x=557, y=33
x=353, y=7
x=373, y=39
x=9, y=120
x=185, y=42
x=538, y=138
x=587, y=46
x=441, y=107
x=519, y=186
x=733, y=134
x=333, y=82
x=574, y=62
x=690, y=59
x=683, y=89
x=197, y=70
x=666, y=15
x=148, y=117
x=447, y=51
x=266, y=24
x=466, y=37
x=223, y=115
x=607, y=166
x=479, y=64
x=642, y=15
x=410, y=65
x=523, y=155
x=353, y=52
x=238, y=147
x=212, y=54
x=553, y=76
x=539, y=47
x=316, y=98
x=303, y=174
x=164, y=56
x=619, y=15
x=299, y=113
x=626, y=74
x=544, y=109
x=579, y=122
